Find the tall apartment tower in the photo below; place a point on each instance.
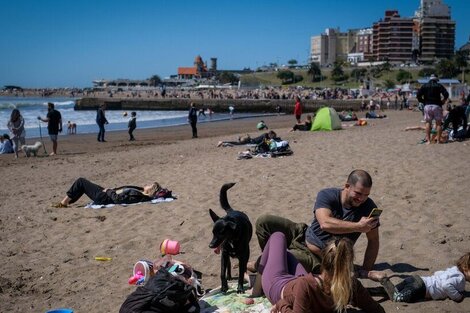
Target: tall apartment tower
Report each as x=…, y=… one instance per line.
x=436, y=30
x=332, y=45
x=393, y=38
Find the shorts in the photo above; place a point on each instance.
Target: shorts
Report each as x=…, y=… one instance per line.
x=433, y=112
x=53, y=137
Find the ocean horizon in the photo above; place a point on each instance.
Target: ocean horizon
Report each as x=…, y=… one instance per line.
x=32, y=107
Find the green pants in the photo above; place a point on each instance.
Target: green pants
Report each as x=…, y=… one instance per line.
x=267, y=224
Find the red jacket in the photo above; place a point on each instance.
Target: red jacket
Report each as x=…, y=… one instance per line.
x=298, y=108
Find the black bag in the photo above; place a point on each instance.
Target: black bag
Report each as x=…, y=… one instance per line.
x=163, y=293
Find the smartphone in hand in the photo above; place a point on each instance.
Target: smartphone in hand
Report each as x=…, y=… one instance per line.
x=375, y=213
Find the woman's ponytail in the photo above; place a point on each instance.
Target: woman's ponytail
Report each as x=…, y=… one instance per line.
x=337, y=262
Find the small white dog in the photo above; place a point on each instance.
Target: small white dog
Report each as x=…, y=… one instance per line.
x=31, y=149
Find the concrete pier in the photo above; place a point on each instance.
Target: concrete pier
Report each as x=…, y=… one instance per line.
x=217, y=105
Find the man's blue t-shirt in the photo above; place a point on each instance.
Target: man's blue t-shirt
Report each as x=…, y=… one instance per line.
x=330, y=198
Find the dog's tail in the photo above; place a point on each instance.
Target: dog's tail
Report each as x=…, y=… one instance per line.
x=223, y=197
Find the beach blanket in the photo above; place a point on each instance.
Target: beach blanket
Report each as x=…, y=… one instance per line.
x=101, y=206
x=231, y=302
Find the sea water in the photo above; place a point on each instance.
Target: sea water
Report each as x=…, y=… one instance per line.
x=31, y=107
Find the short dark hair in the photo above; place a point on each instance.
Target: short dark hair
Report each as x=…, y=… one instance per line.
x=50, y=104
x=360, y=176
x=133, y=113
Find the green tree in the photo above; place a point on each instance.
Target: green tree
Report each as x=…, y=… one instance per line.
x=446, y=69
x=358, y=74
x=155, y=80
x=426, y=71
x=404, y=76
x=315, y=71
x=337, y=73
x=389, y=84
x=460, y=60
x=298, y=78
x=285, y=76
x=292, y=63
x=227, y=77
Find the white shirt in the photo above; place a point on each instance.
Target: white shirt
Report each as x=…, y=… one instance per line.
x=448, y=283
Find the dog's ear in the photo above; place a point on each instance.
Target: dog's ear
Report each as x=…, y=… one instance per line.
x=214, y=216
x=231, y=225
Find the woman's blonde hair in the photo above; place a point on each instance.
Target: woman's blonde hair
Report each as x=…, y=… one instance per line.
x=463, y=264
x=154, y=189
x=337, y=264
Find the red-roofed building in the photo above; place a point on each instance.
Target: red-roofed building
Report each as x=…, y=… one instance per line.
x=199, y=70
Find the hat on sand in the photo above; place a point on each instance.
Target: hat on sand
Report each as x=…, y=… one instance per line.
x=433, y=77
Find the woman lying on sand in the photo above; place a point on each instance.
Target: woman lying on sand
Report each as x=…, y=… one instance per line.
x=247, y=140
x=100, y=195
x=444, y=134
x=290, y=288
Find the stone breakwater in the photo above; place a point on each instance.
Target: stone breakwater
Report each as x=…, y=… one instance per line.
x=217, y=105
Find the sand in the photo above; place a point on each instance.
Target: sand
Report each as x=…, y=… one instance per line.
x=47, y=254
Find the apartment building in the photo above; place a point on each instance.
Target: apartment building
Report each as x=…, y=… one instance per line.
x=436, y=30
x=393, y=38
x=427, y=36
x=332, y=45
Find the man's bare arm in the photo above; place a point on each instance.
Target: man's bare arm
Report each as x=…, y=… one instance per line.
x=372, y=250
x=333, y=225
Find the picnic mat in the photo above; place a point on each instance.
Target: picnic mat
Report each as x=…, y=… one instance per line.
x=231, y=302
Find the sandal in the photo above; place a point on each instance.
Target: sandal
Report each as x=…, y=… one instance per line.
x=59, y=205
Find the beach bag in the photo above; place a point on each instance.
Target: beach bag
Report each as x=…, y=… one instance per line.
x=163, y=293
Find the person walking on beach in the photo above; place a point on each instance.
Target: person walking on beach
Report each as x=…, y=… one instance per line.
x=54, y=125
x=17, y=131
x=192, y=119
x=430, y=94
x=298, y=109
x=132, y=125
x=101, y=121
x=337, y=213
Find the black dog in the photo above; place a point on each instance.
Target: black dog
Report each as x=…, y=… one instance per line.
x=232, y=234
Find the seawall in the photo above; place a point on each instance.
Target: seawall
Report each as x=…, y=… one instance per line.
x=217, y=105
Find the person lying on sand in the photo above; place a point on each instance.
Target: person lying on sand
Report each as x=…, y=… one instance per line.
x=100, y=195
x=247, y=140
x=290, y=288
x=444, y=134
x=449, y=283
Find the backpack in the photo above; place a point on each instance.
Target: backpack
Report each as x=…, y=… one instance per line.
x=163, y=293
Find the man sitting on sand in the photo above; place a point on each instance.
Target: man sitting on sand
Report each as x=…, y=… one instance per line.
x=337, y=213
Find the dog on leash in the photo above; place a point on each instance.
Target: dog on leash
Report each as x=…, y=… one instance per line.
x=231, y=235
x=71, y=128
x=31, y=149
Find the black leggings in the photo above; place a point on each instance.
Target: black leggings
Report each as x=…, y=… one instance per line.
x=93, y=191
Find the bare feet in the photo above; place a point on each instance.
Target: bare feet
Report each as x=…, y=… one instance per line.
x=220, y=143
x=377, y=275
x=52, y=153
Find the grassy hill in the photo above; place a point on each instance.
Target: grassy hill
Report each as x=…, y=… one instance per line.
x=270, y=78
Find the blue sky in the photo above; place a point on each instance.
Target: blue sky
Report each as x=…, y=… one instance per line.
x=52, y=43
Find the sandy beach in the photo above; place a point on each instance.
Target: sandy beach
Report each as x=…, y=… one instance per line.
x=48, y=254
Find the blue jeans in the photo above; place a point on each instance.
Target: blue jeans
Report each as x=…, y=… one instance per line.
x=101, y=132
